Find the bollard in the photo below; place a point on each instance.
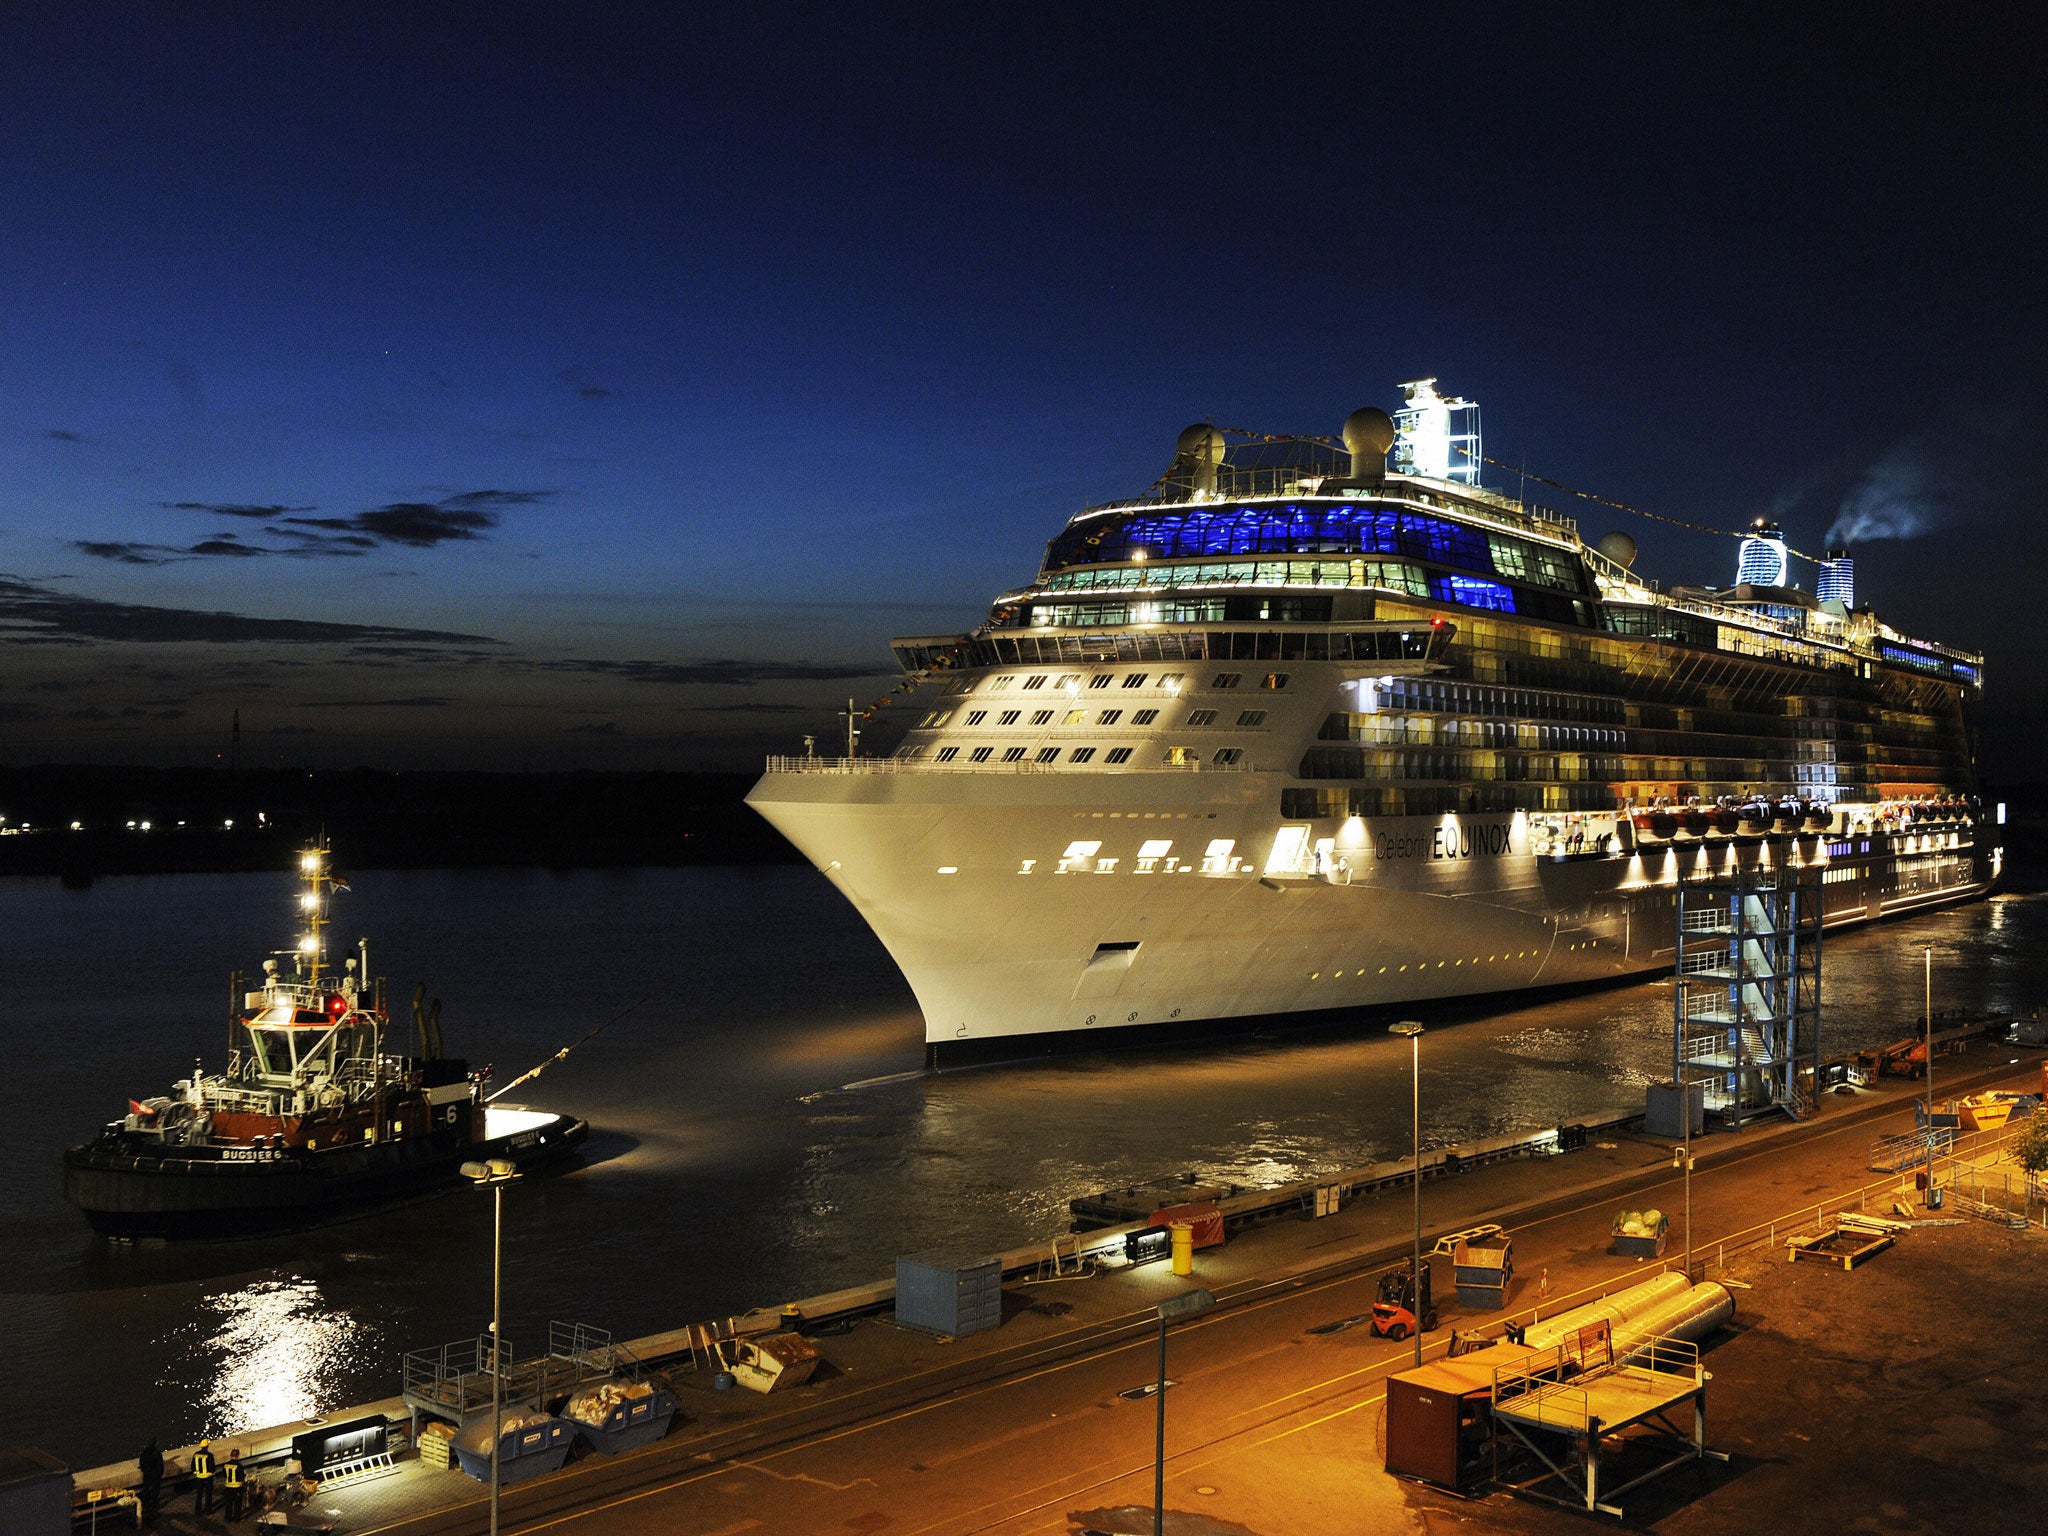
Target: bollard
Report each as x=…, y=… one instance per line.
x=1183, y=1247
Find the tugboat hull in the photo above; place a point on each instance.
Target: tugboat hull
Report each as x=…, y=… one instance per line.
x=172, y=1193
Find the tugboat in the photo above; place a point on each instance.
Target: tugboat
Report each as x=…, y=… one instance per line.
x=315, y=1118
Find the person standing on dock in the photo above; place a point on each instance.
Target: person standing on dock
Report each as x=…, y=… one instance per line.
x=151, y=1465
x=202, y=1479
x=231, y=1484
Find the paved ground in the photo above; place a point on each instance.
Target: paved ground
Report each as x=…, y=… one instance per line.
x=1906, y=1376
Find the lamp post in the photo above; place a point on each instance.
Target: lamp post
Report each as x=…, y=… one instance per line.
x=497, y=1173
x=1927, y=1007
x=1186, y=1304
x=1413, y=1030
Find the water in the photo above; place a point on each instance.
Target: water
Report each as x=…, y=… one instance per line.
x=730, y=1165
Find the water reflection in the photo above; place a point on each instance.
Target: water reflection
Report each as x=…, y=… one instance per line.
x=275, y=1352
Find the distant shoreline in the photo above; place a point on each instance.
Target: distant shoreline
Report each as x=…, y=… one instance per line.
x=84, y=823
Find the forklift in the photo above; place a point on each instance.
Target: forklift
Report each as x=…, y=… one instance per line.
x=1395, y=1312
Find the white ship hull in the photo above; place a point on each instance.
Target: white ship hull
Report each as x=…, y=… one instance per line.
x=1012, y=946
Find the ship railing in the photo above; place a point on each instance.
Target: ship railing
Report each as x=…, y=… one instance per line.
x=240, y=1101
x=887, y=765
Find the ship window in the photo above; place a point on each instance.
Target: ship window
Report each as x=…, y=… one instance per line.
x=1226, y=680
x=1080, y=754
x=1048, y=754
x=1155, y=848
x=1009, y=717
x=1228, y=755
x=1145, y=717
x=1252, y=717
x=976, y=716
x=1181, y=757
x=1002, y=682
x=947, y=754
x=1069, y=681
x=980, y=754
x=1109, y=717
x=1274, y=680
x=1074, y=717
x=1134, y=680
x=1013, y=754
x=1201, y=717
x=1101, y=682
x=1041, y=717
x=909, y=752
x=1171, y=681
x=1117, y=755
x=935, y=719
x=1037, y=681
x=1472, y=592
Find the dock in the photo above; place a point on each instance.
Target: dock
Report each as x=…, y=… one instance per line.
x=897, y=1406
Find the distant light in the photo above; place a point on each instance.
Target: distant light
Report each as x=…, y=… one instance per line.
x=2001, y=813
x=310, y=862
x=229, y=824
x=145, y=826
x=949, y=869
x=308, y=944
x=309, y=901
x=78, y=826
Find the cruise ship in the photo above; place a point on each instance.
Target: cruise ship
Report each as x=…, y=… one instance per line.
x=1322, y=724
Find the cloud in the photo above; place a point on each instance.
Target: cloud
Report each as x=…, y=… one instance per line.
x=227, y=544
x=581, y=382
x=32, y=614
x=234, y=508
x=417, y=701
x=736, y=673
x=419, y=524
x=60, y=435
x=125, y=553
x=21, y=714
x=497, y=498
x=607, y=728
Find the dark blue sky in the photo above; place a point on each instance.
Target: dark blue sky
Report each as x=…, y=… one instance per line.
x=606, y=385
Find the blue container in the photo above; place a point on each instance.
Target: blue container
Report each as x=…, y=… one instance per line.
x=949, y=1293
x=615, y=1416
x=532, y=1444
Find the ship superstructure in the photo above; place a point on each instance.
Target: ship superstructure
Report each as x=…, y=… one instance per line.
x=1313, y=727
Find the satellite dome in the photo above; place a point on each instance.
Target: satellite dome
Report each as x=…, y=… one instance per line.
x=1618, y=547
x=1201, y=442
x=1369, y=434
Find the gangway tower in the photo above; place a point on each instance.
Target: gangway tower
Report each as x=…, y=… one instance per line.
x=1746, y=1017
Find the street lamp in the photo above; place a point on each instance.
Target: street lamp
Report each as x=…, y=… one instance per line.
x=497, y=1173
x=1927, y=1007
x=1186, y=1304
x=1413, y=1030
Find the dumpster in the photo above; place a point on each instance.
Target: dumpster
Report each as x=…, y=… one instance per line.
x=613, y=1416
x=1640, y=1234
x=1482, y=1268
x=770, y=1361
x=533, y=1443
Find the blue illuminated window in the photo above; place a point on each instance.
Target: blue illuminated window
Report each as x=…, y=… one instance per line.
x=1472, y=592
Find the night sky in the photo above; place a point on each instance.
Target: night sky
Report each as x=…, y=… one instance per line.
x=513, y=385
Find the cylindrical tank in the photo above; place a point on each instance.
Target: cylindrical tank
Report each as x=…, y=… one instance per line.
x=1369, y=435
x=1614, y=1309
x=1691, y=1314
x=1183, y=1246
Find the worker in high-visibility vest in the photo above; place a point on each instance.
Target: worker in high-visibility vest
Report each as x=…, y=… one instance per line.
x=202, y=1479
x=231, y=1484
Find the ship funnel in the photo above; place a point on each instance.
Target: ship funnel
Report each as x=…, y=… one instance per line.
x=1196, y=457
x=1369, y=434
